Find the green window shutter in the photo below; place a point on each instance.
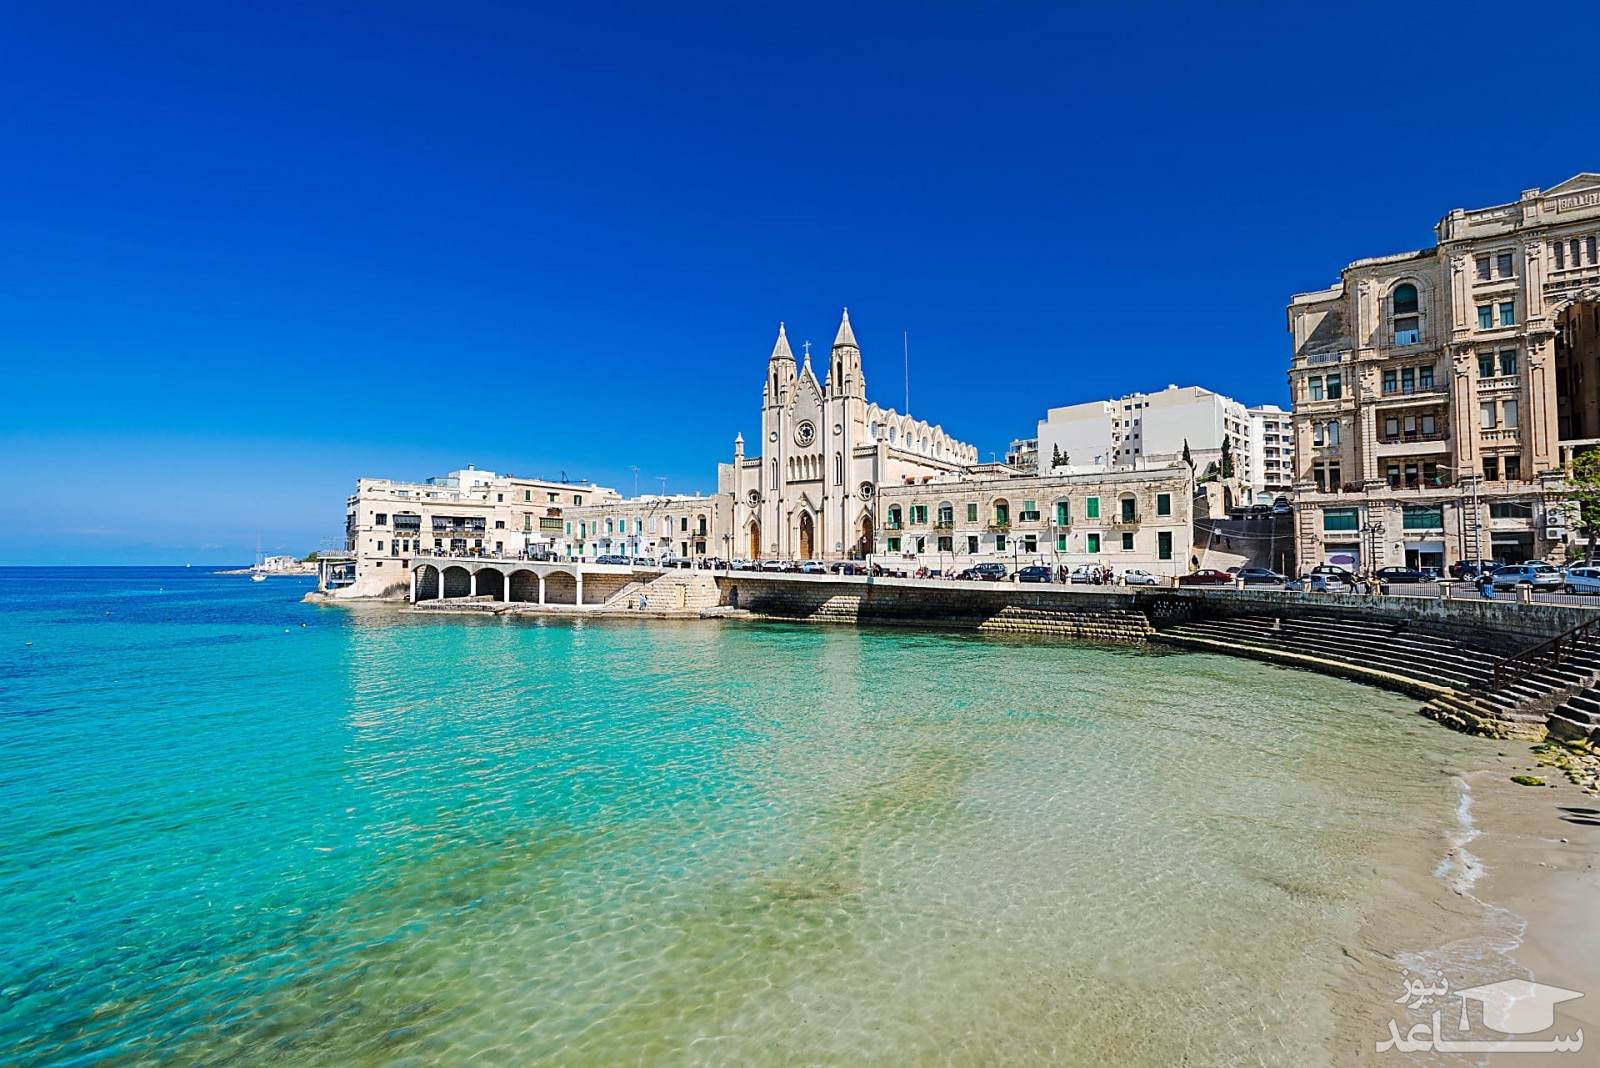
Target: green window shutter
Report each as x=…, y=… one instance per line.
x=1091, y=508
x=1163, y=504
x=1094, y=542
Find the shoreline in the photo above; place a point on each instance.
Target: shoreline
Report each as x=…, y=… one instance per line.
x=1509, y=894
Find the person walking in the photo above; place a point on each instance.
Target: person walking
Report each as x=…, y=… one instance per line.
x=1486, y=586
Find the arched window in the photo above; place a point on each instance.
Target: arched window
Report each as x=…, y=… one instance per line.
x=1407, y=327
x=838, y=468
x=891, y=435
x=1405, y=299
x=894, y=517
x=872, y=431
x=947, y=514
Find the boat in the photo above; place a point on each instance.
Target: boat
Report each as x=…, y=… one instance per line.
x=258, y=573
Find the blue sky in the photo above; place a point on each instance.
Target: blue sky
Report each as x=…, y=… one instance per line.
x=547, y=238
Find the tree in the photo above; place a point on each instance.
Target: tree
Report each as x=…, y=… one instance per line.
x=1225, y=465
x=1057, y=457
x=1188, y=457
x=1581, y=479
x=309, y=558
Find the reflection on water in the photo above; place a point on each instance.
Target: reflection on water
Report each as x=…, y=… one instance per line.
x=378, y=837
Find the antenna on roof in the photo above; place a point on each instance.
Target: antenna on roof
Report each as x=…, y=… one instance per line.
x=905, y=342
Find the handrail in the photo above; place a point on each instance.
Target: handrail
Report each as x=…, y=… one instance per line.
x=1547, y=653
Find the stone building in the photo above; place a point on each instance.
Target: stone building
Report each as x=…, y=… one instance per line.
x=465, y=513
x=1438, y=393
x=825, y=451
x=650, y=526
x=1119, y=519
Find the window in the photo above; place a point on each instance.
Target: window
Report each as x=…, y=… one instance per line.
x=1513, y=468
x=1127, y=541
x=1000, y=542
x=499, y=524
x=577, y=498
x=1491, y=468
x=1590, y=241
x=1485, y=365
x=381, y=519
x=1164, y=545
x=1092, y=543
x=1508, y=361
x=499, y=498
x=1429, y=424
x=1314, y=387
x=1511, y=510
x=946, y=543
x=1483, y=268
x=1422, y=518
x=1509, y=409
x=1405, y=299
x=1002, y=514
x=919, y=513
x=380, y=546
x=1339, y=519
x=1485, y=316
x=1063, y=513
x=1163, y=504
x=683, y=526
x=947, y=514
x=1508, y=313
x=894, y=545
x=1561, y=255
x=1425, y=377
x=555, y=498
x=1335, y=390
x=1502, y=264
x=1407, y=330
x=1391, y=381
x=1061, y=543
x=1128, y=512
x=972, y=543
x=1408, y=380
x=972, y=513
x=1391, y=427
x=1091, y=508
x=1486, y=415
x=1030, y=511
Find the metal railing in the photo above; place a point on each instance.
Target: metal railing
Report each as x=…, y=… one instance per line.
x=1546, y=654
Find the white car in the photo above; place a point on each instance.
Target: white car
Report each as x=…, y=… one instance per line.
x=773, y=565
x=811, y=567
x=1582, y=580
x=1318, y=583
x=1139, y=577
x=1539, y=576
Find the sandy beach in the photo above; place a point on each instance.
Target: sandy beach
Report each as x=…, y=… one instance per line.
x=1512, y=895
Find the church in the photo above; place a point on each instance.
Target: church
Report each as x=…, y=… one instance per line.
x=812, y=492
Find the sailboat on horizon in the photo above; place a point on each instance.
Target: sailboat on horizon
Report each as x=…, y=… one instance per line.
x=258, y=572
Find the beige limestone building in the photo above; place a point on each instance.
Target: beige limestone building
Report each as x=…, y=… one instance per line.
x=825, y=451
x=1437, y=393
x=465, y=513
x=1117, y=519
x=650, y=527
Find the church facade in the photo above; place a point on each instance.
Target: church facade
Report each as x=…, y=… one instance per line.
x=812, y=490
x=812, y=493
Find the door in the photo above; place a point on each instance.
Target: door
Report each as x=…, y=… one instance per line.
x=807, y=536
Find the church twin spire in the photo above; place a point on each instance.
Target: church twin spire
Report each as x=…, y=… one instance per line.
x=844, y=369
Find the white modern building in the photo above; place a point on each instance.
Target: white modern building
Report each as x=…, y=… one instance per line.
x=1271, y=463
x=1142, y=431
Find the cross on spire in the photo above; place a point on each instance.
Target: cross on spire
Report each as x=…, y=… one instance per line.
x=807, y=347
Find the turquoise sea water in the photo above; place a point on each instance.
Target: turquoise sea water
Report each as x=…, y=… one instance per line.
x=236, y=828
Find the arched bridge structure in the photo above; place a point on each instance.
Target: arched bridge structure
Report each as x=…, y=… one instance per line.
x=446, y=578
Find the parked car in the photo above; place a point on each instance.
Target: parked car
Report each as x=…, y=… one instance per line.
x=676, y=561
x=772, y=565
x=1539, y=576
x=1136, y=576
x=988, y=571
x=811, y=567
x=1238, y=513
x=1282, y=507
x=1319, y=583
x=1261, y=576
x=1340, y=573
x=1583, y=579
x=1401, y=576
x=1260, y=511
x=1036, y=573
x=848, y=567
x=1466, y=569
x=613, y=559
x=1206, y=576
x=1083, y=575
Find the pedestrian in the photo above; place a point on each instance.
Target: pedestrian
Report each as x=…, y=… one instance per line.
x=644, y=602
x=1486, y=587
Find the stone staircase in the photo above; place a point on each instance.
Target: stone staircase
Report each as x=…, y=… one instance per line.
x=682, y=590
x=1578, y=718
x=1458, y=681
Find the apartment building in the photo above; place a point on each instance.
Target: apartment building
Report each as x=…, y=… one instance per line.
x=1144, y=430
x=1120, y=519
x=1271, y=466
x=1437, y=393
x=465, y=513
x=651, y=526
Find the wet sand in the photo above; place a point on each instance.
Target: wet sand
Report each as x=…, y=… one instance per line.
x=1516, y=895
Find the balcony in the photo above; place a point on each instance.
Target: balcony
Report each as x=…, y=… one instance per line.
x=944, y=524
x=1501, y=382
x=1125, y=521
x=1503, y=435
x=549, y=526
x=999, y=526
x=1402, y=394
